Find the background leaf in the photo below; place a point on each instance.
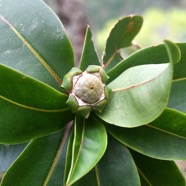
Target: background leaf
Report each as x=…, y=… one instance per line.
x=157, y=172
x=151, y=55
x=178, y=95
x=89, y=145
x=115, y=168
x=89, y=55
x=56, y=174
x=8, y=154
x=121, y=36
x=33, y=41
x=166, y=136
x=29, y=108
x=37, y=162
x=89, y=178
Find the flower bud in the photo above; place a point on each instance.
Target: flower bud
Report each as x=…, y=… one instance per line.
x=87, y=90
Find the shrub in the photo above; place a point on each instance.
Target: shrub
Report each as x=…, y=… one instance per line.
x=81, y=128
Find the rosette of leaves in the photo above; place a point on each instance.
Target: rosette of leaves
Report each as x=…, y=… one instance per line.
x=133, y=141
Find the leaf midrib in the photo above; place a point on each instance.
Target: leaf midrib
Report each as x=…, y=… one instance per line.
x=179, y=79
x=139, y=84
x=143, y=175
x=77, y=157
x=34, y=52
x=33, y=108
x=97, y=176
x=166, y=132
x=59, y=151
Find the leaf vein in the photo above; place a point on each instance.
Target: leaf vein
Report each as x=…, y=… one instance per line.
x=97, y=176
x=179, y=79
x=36, y=54
x=61, y=146
x=139, y=84
x=145, y=178
x=33, y=108
x=164, y=131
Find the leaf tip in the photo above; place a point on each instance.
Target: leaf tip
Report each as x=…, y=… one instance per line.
x=173, y=51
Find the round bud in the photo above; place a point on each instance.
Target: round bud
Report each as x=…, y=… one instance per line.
x=89, y=88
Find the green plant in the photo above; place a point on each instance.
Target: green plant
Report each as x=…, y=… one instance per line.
x=122, y=142
x=167, y=23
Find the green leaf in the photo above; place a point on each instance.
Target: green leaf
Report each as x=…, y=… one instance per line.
x=151, y=55
x=90, y=178
x=29, y=93
x=33, y=41
x=140, y=94
x=19, y=124
x=38, y=161
x=8, y=154
x=89, y=145
x=29, y=108
x=89, y=55
x=179, y=69
x=164, y=138
x=173, y=51
x=157, y=172
x=178, y=89
x=121, y=36
x=115, y=168
x=178, y=95
x=56, y=174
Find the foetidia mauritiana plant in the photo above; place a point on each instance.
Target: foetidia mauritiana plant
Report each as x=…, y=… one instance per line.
x=93, y=130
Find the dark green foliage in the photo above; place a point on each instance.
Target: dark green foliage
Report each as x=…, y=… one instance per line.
x=133, y=142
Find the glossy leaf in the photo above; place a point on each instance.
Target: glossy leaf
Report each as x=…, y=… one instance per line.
x=140, y=94
x=121, y=36
x=8, y=154
x=157, y=172
x=56, y=174
x=37, y=162
x=173, y=52
x=115, y=168
x=29, y=108
x=89, y=55
x=151, y=55
x=89, y=145
x=28, y=93
x=33, y=41
x=180, y=67
x=164, y=138
x=177, y=99
x=18, y=128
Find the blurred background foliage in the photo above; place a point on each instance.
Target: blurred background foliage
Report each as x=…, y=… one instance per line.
x=159, y=24
x=162, y=19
